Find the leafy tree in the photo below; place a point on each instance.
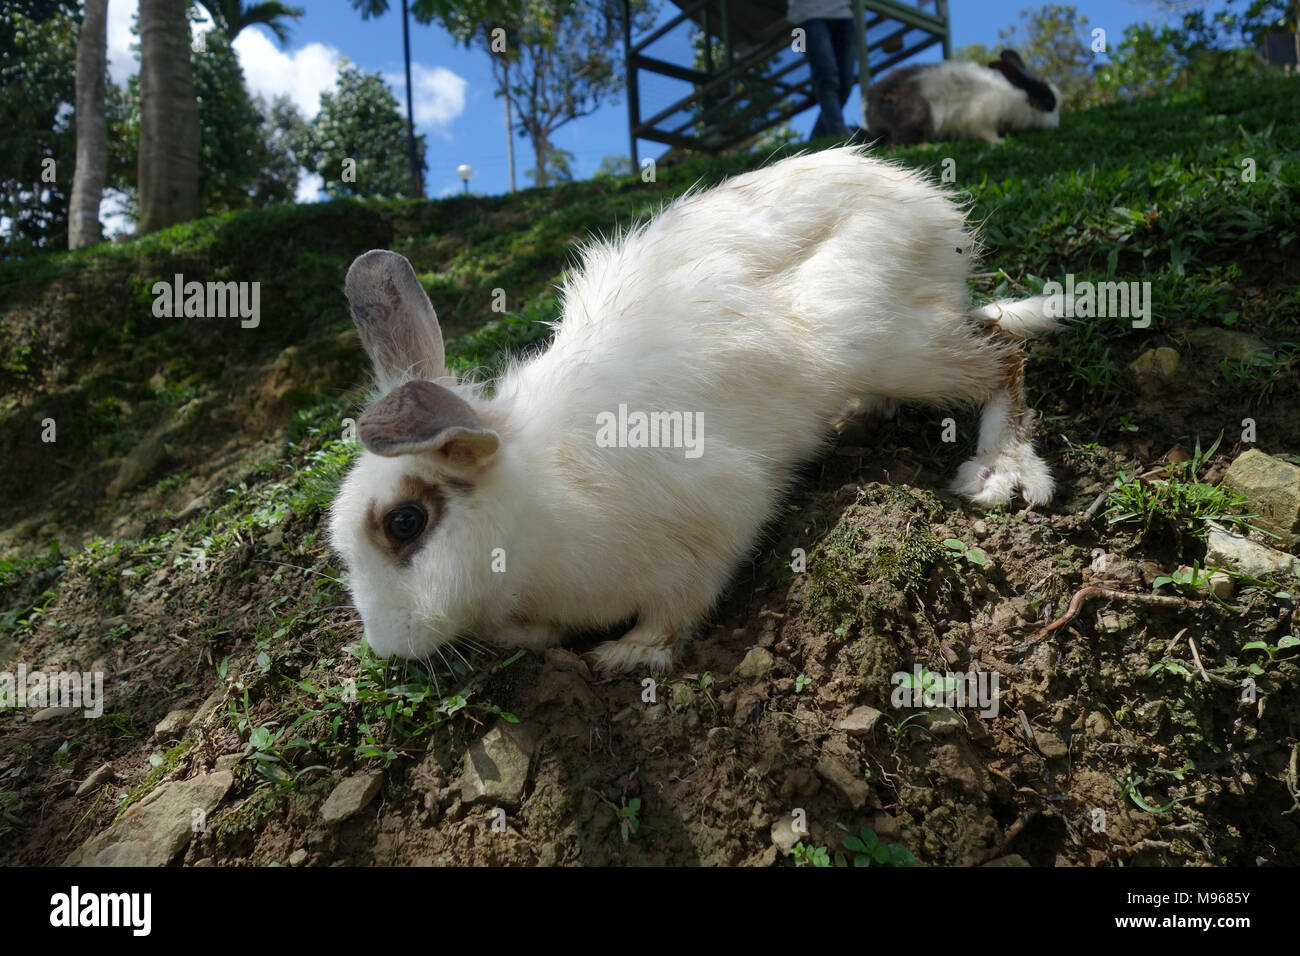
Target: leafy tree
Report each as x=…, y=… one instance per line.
x=614, y=167
x=359, y=121
x=232, y=17
x=559, y=166
x=1151, y=58
x=38, y=54
x=556, y=61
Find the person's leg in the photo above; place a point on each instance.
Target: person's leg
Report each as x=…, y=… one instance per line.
x=844, y=40
x=825, y=78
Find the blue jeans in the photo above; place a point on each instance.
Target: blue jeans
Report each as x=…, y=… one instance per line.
x=832, y=54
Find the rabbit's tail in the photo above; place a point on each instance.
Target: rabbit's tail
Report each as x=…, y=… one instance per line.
x=1019, y=318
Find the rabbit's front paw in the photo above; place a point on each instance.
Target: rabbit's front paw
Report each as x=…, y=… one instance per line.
x=648, y=647
x=992, y=480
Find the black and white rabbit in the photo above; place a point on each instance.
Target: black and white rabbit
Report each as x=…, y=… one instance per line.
x=955, y=100
x=762, y=308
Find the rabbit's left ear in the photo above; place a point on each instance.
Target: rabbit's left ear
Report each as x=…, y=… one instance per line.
x=395, y=319
x=425, y=417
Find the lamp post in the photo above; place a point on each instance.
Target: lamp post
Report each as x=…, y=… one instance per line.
x=465, y=171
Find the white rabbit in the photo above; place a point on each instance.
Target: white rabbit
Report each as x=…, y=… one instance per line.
x=954, y=100
x=758, y=310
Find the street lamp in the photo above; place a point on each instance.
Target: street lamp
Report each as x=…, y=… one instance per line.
x=465, y=171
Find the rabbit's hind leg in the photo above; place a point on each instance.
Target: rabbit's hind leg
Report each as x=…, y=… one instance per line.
x=1005, y=461
x=648, y=645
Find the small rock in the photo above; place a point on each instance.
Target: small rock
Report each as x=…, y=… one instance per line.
x=50, y=713
x=756, y=665
x=1272, y=488
x=1050, y=746
x=1235, y=345
x=496, y=767
x=1011, y=859
x=944, y=721
x=228, y=761
x=174, y=723
x=1224, y=548
x=273, y=539
x=96, y=780
x=195, y=505
x=153, y=831
x=1155, y=370
x=1222, y=585
x=1098, y=725
x=351, y=797
x=860, y=721
x=137, y=465
x=298, y=857
x=980, y=529
x=783, y=836
x=853, y=787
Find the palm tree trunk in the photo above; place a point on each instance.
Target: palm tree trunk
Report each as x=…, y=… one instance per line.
x=92, y=128
x=170, y=136
x=417, y=186
x=510, y=133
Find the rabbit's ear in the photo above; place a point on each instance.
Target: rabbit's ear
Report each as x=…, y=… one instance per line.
x=1013, y=68
x=424, y=417
x=395, y=319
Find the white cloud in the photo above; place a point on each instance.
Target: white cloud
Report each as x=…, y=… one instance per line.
x=303, y=74
x=311, y=187
x=439, y=93
x=122, y=63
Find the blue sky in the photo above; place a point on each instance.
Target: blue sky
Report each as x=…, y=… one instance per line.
x=455, y=106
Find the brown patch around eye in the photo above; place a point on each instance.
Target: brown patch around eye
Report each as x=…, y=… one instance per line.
x=411, y=491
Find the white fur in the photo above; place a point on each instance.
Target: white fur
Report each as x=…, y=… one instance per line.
x=971, y=101
x=770, y=304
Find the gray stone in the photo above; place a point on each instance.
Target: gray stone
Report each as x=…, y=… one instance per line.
x=853, y=787
x=51, y=713
x=137, y=464
x=195, y=505
x=228, y=761
x=1235, y=345
x=783, y=836
x=756, y=665
x=944, y=721
x=1221, y=585
x=1050, y=746
x=1272, y=489
x=298, y=857
x=173, y=724
x=1226, y=549
x=1155, y=370
x=496, y=767
x=153, y=831
x=1011, y=859
x=96, y=780
x=350, y=797
x=860, y=721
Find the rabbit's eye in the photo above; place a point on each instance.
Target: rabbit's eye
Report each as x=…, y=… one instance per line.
x=405, y=523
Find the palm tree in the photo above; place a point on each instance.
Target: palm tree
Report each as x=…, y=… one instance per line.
x=231, y=16
x=92, y=128
x=377, y=8
x=170, y=135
